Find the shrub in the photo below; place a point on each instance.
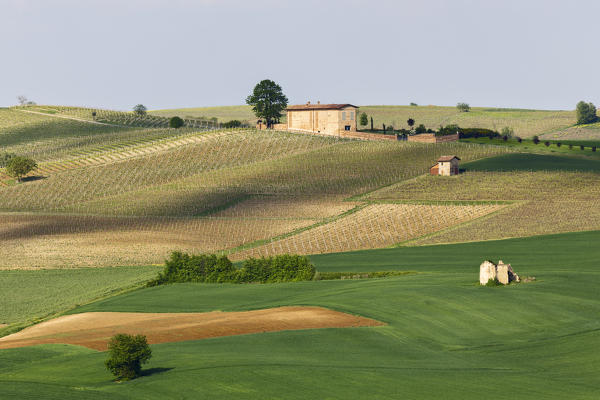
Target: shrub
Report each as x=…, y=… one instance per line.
x=234, y=123
x=519, y=139
x=210, y=268
x=586, y=113
x=593, y=148
x=558, y=144
x=448, y=130
x=5, y=158
x=477, y=132
x=175, y=122
x=536, y=139
x=413, y=104
x=505, y=138
x=18, y=167
x=547, y=143
x=420, y=129
x=507, y=131
x=463, y=107
x=581, y=147
x=410, y=122
x=126, y=354
x=570, y=147
x=492, y=283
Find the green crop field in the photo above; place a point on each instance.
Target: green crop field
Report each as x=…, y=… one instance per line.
x=446, y=337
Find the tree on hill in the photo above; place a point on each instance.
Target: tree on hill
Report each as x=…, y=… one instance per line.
x=586, y=113
x=175, y=122
x=126, y=354
x=140, y=110
x=22, y=100
x=463, y=107
x=411, y=123
x=364, y=119
x=18, y=167
x=267, y=101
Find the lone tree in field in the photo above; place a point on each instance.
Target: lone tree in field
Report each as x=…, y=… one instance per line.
x=267, y=101
x=411, y=123
x=18, y=167
x=140, y=110
x=22, y=100
x=586, y=113
x=175, y=122
x=463, y=107
x=364, y=119
x=126, y=354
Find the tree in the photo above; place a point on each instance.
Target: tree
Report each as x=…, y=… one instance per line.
x=414, y=104
x=371, y=123
x=18, y=167
x=234, y=123
x=586, y=113
x=420, y=129
x=140, y=110
x=364, y=119
x=22, y=100
x=175, y=122
x=463, y=107
x=410, y=122
x=126, y=354
x=267, y=101
x=507, y=131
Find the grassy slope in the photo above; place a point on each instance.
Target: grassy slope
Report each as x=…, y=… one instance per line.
x=526, y=123
x=447, y=337
x=28, y=295
x=534, y=162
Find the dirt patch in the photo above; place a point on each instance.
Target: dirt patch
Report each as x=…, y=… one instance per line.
x=94, y=329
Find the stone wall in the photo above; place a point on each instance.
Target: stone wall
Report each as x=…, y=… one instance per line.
x=431, y=138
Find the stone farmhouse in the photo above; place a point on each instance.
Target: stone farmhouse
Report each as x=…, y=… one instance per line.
x=328, y=119
x=446, y=166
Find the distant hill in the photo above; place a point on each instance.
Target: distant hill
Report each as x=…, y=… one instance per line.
x=526, y=123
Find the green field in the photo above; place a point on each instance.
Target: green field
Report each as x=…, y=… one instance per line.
x=30, y=295
x=446, y=338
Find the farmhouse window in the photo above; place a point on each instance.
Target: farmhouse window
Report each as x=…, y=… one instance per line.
x=351, y=115
x=347, y=127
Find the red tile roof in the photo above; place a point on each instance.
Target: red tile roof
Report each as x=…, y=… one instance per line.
x=319, y=107
x=447, y=158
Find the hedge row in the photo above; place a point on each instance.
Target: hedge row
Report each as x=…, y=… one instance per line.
x=210, y=268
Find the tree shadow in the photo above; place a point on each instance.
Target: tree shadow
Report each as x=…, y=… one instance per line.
x=33, y=178
x=153, y=371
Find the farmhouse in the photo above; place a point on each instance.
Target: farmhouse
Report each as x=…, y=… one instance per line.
x=446, y=166
x=329, y=119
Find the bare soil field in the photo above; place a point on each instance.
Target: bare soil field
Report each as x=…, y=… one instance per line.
x=93, y=330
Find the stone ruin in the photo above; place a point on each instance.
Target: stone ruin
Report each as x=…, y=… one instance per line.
x=501, y=272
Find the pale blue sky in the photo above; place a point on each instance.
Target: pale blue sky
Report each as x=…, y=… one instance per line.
x=184, y=53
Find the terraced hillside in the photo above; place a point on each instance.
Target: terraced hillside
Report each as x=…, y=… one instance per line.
x=133, y=203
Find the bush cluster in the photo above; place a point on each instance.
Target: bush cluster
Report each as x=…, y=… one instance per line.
x=210, y=268
x=234, y=123
x=478, y=132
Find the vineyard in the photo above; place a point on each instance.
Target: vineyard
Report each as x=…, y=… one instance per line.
x=224, y=190
x=543, y=202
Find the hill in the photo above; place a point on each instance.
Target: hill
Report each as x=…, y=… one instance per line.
x=526, y=123
x=446, y=337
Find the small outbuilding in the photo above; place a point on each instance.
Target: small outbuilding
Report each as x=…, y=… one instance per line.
x=446, y=166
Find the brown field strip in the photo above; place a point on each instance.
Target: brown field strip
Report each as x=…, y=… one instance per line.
x=93, y=330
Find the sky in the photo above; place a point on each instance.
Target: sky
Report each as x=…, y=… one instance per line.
x=114, y=54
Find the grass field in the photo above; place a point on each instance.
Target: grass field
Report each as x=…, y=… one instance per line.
x=446, y=338
x=34, y=294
